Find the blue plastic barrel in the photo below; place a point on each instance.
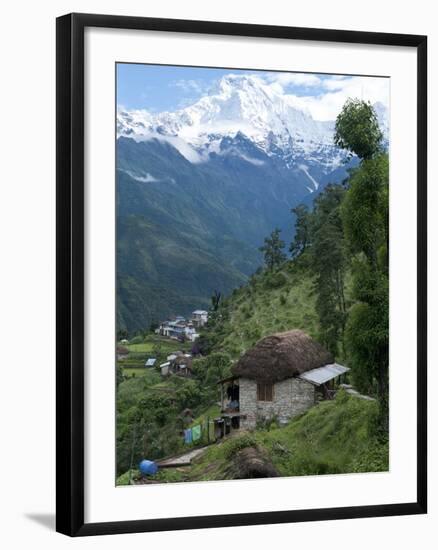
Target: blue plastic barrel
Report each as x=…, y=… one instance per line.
x=148, y=467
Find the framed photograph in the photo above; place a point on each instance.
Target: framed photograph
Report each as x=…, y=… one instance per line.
x=241, y=274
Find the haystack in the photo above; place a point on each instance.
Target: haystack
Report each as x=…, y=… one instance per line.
x=281, y=356
x=250, y=463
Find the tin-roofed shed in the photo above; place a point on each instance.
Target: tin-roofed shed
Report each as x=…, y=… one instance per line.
x=323, y=374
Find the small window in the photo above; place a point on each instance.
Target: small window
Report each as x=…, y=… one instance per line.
x=265, y=392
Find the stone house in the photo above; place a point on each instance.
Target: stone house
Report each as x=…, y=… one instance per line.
x=282, y=376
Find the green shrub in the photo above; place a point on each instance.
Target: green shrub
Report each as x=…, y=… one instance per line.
x=275, y=280
x=124, y=478
x=373, y=459
x=342, y=396
x=236, y=444
x=267, y=423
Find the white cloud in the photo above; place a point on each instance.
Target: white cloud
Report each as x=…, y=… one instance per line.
x=192, y=86
x=184, y=148
x=256, y=162
x=327, y=104
x=323, y=96
x=147, y=178
x=306, y=80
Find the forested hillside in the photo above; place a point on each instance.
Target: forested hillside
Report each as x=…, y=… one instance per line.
x=334, y=284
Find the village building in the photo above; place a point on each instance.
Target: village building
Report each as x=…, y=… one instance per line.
x=199, y=317
x=190, y=333
x=164, y=368
x=178, y=363
x=173, y=329
x=183, y=365
x=178, y=329
x=150, y=362
x=282, y=376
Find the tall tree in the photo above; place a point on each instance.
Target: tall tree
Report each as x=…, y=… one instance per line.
x=273, y=250
x=357, y=129
x=365, y=220
x=328, y=263
x=302, y=230
x=215, y=300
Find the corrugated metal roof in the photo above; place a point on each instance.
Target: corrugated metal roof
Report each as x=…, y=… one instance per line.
x=150, y=362
x=164, y=365
x=323, y=374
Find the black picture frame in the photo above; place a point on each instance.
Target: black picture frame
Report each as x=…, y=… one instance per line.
x=70, y=273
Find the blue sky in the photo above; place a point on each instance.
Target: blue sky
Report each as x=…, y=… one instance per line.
x=158, y=88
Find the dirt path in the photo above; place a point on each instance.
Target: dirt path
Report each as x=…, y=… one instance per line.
x=351, y=391
x=181, y=460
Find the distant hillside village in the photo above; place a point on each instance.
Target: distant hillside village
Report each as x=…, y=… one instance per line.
x=180, y=328
x=176, y=329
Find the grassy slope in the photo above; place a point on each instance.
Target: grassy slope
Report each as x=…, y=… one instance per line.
x=271, y=302
x=334, y=437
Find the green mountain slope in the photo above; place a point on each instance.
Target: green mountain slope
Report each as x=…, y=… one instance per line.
x=185, y=230
x=268, y=303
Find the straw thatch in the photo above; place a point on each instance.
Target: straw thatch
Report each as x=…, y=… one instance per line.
x=250, y=463
x=280, y=356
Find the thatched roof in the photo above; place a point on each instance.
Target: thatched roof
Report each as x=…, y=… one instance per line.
x=280, y=356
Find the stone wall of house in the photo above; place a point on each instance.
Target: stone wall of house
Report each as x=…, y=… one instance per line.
x=303, y=396
x=291, y=397
x=248, y=402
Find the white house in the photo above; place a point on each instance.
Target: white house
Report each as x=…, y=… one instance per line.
x=190, y=333
x=199, y=317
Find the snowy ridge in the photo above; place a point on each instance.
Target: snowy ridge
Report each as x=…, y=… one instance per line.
x=243, y=104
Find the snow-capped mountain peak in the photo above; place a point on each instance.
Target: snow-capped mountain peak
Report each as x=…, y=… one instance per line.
x=245, y=104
